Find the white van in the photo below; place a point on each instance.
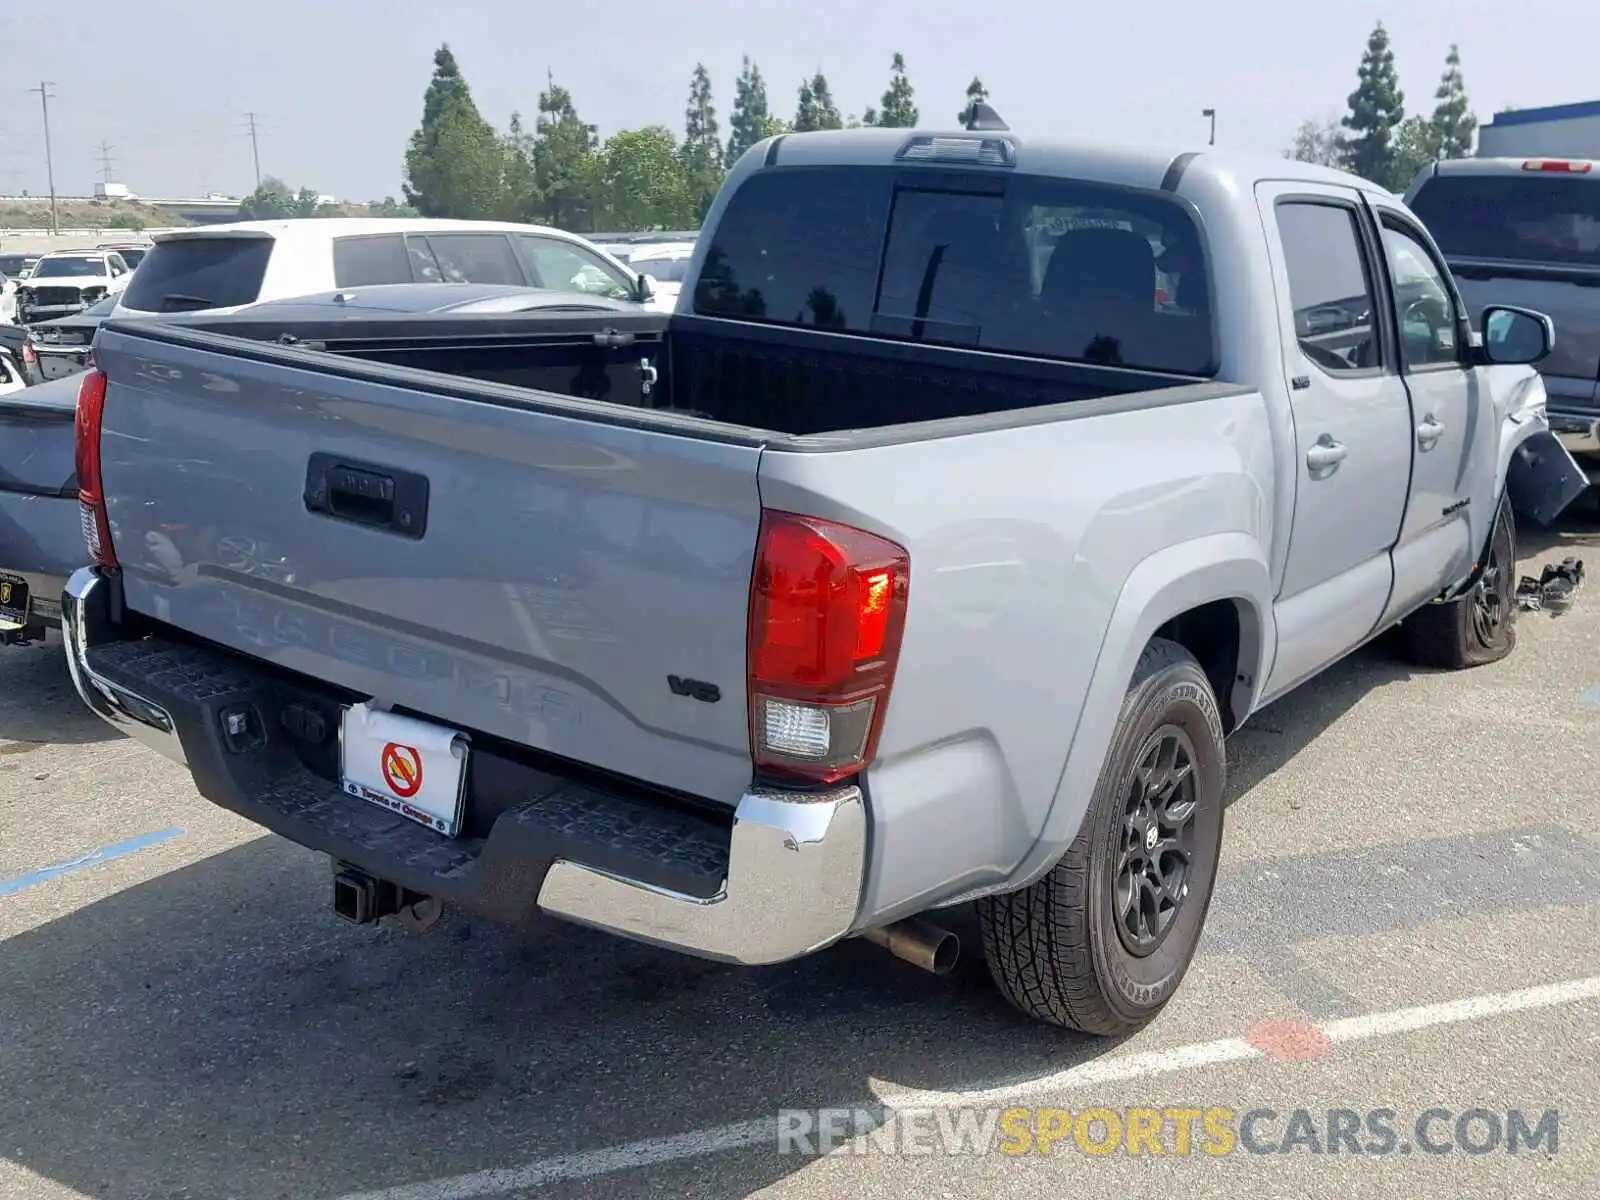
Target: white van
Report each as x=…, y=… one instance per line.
x=223, y=268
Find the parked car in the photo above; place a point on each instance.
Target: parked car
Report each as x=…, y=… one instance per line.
x=1526, y=231
x=61, y=346
x=929, y=573
x=223, y=268
x=667, y=264
x=132, y=252
x=17, y=266
x=12, y=377
x=41, y=541
x=64, y=282
x=8, y=299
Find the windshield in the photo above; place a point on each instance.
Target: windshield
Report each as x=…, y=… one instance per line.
x=666, y=270
x=132, y=254
x=1532, y=217
x=69, y=268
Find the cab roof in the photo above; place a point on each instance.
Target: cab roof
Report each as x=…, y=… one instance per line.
x=1082, y=157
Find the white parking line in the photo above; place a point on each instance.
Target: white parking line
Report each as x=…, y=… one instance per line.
x=701, y=1142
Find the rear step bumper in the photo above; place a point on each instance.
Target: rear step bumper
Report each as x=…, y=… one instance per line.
x=784, y=880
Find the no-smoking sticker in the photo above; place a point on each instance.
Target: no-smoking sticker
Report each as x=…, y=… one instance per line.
x=402, y=770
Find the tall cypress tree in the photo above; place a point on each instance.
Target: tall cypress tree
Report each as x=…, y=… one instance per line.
x=747, y=123
x=1377, y=107
x=701, y=151
x=976, y=94
x=454, y=164
x=564, y=150
x=1453, y=120
x=899, y=109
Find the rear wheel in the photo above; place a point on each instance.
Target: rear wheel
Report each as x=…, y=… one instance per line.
x=1480, y=626
x=1101, y=943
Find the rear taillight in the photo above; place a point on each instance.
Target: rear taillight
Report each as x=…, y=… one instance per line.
x=29, y=354
x=91, y=491
x=827, y=608
x=1561, y=166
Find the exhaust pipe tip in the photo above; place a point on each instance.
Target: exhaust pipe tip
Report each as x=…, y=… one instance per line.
x=919, y=943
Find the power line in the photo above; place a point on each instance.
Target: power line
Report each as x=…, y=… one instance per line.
x=255, y=146
x=105, y=160
x=49, y=165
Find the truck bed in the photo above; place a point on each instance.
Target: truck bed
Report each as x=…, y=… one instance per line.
x=399, y=514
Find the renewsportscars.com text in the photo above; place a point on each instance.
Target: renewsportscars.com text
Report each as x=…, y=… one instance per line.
x=1176, y=1130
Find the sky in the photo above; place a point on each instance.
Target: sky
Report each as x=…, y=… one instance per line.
x=337, y=86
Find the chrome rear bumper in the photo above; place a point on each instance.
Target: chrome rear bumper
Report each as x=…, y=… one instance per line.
x=791, y=868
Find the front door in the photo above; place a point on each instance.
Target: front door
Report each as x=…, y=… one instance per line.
x=1456, y=435
x=1352, y=426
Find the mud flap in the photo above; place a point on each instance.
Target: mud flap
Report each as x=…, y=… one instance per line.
x=1543, y=478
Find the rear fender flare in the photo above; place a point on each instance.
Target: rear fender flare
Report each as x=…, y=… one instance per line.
x=1225, y=566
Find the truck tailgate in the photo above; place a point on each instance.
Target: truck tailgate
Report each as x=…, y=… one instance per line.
x=551, y=577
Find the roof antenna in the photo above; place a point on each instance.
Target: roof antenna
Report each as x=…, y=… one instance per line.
x=980, y=117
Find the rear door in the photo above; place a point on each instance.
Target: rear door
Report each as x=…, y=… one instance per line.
x=1352, y=425
x=1530, y=238
x=1456, y=431
x=505, y=563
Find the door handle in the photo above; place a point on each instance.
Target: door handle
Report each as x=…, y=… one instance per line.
x=1429, y=432
x=1325, y=453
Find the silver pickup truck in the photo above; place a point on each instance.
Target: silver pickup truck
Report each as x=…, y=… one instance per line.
x=978, y=488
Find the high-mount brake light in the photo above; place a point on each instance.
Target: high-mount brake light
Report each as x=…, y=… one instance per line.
x=1559, y=166
x=95, y=520
x=827, y=610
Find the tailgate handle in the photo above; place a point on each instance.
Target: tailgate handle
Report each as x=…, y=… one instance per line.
x=366, y=494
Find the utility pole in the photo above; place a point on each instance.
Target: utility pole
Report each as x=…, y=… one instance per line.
x=105, y=160
x=255, y=148
x=1212, y=113
x=49, y=164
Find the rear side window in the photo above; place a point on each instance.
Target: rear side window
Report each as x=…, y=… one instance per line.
x=188, y=274
x=1056, y=268
x=475, y=258
x=1541, y=217
x=1330, y=286
x=368, y=261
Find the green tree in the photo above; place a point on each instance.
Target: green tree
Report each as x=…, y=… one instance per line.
x=271, y=201
x=773, y=126
x=454, y=164
x=390, y=207
x=816, y=109
x=1416, y=144
x=125, y=220
x=519, y=193
x=564, y=150
x=976, y=94
x=1453, y=120
x=1320, y=142
x=641, y=182
x=701, y=151
x=747, y=122
x=1377, y=108
x=899, y=101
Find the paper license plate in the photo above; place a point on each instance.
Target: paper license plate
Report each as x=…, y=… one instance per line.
x=13, y=604
x=415, y=768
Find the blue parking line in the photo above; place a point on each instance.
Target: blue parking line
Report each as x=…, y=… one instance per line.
x=10, y=887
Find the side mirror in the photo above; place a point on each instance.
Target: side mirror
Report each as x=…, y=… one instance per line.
x=1516, y=335
x=644, y=291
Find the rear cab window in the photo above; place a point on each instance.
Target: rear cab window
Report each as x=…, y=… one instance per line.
x=192, y=274
x=1547, y=217
x=1043, y=266
x=371, y=260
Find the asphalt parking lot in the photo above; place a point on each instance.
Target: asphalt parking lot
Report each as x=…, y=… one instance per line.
x=1408, y=919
